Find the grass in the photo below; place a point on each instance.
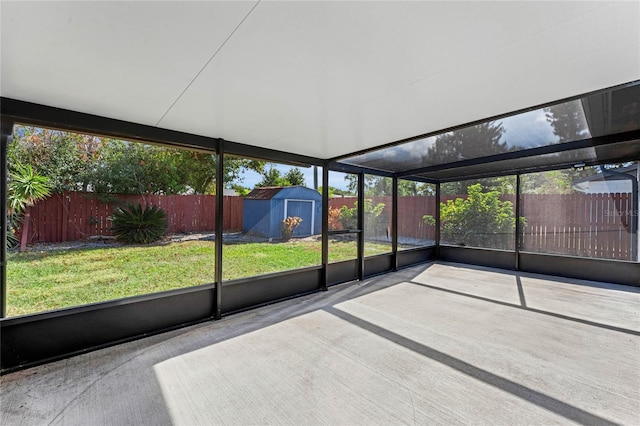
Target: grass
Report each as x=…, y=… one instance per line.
x=47, y=280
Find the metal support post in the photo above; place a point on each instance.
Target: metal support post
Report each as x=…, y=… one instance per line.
x=7, y=131
x=394, y=222
x=518, y=228
x=325, y=226
x=437, y=216
x=360, y=226
x=217, y=314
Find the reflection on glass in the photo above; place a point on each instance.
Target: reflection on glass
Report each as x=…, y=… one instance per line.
x=415, y=200
x=478, y=213
x=628, y=149
x=547, y=126
x=586, y=213
x=79, y=235
x=276, y=225
x=614, y=112
x=596, y=115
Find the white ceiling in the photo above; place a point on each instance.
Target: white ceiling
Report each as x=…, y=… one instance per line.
x=315, y=78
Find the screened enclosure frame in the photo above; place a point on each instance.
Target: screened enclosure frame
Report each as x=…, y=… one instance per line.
x=37, y=338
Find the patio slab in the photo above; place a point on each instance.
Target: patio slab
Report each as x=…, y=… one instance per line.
x=432, y=344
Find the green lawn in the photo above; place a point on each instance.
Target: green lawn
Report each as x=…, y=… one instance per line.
x=42, y=281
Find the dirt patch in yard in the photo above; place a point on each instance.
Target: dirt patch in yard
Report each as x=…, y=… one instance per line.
x=101, y=241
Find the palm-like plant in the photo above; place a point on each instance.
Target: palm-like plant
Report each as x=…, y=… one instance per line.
x=137, y=225
x=25, y=188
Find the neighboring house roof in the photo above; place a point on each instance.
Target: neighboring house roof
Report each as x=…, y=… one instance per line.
x=583, y=183
x=631, y=170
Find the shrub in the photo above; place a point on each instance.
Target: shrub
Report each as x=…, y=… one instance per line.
x=375, y=221
x=480, y=220
x=133, y=224
x=25, y=188
x=334, y=218
x=288, y=225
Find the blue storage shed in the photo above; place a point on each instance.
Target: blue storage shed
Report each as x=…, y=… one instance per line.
x=264, y=209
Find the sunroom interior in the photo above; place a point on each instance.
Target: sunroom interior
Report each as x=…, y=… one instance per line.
x=479, y=134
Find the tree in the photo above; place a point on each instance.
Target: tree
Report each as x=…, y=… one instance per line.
x=332, y=191
x=469, y=142
x=240, y=190
x=135, y=168
x=234, y=168
x=568, y=123
x=63, y=157
x=381, y=185
x=77, y=162
x=408, y=188
x=295, y=177
x=273, y=177
x=551, y=182
x=480, y=220
x=373, y=185
x=374, y=219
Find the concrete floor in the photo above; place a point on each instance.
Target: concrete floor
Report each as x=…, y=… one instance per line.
x=433, y=344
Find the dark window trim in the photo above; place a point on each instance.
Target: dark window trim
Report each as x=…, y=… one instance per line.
x=7, y=131
x=50, y=117
x=33, y=114
x=418, y=179
x=353, y=169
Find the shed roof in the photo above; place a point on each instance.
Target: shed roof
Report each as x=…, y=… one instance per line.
x=269, y=192
x=264, y=193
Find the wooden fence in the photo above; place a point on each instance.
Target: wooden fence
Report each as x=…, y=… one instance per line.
x=73, y=216
x=597, y=225
x=585, y=225
x=410, y=213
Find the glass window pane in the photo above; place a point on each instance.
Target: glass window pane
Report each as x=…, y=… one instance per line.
x=545, y=126
x=378, y=209
x=343, y=215
x=609, y=152
x=415, y=201
x=582, y=212
x=479, y=213
x=557, y=124
x=77, y=237
x=277, y=224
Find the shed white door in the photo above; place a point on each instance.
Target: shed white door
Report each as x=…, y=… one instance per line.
x=304, y=209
